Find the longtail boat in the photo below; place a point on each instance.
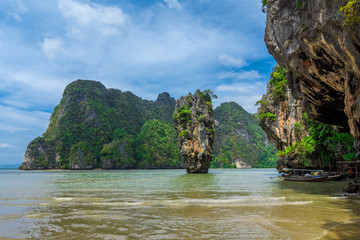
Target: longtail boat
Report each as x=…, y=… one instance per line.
x=316, y=176
x=340, y=176
x=307, y=179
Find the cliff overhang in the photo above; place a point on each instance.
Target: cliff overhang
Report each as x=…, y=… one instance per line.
x=322, y=57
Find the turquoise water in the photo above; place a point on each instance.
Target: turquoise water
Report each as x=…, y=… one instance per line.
x=170, y=204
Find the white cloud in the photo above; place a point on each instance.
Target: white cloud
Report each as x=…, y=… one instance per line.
x=52, y=47
x=13, y=120
x=244, y=75
x=81, y=16
x=21, y=6
x=40, y=82
x=145, y=47
x=230, y=61
x=29, y=88
x=16, y=9
x=245, y=94
x=16, y=16
x=6, y=145
x=231, y=88
x=174, y=4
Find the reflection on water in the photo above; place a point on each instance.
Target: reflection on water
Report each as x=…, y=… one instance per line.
x=170, y=204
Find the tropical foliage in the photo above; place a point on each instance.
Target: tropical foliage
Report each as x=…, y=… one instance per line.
x=263, y=112
x=95, y=127
x=351, y=12
x=264, y=5
x=156, y=146
x=277, y=92
x=324, y=146
x=92, y=124
x=278, y=83
x=239, y=136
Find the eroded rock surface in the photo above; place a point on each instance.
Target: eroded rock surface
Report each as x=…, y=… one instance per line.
x=282, y=131
x=194, y=121
x=323, y=58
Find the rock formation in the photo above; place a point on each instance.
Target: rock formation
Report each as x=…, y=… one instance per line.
x=353, y=187
x=194, y=121
x=96, y=127
x=289, y=112
x=242, y=164
x=323, y=59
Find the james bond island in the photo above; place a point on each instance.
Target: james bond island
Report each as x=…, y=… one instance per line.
x=195, y=124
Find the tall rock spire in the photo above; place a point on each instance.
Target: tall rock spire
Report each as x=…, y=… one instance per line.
x=194, y=121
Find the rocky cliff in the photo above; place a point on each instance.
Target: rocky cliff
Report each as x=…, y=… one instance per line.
x=323, y=61
x=194, y=121
x=95, y=127
x=322, y=58
x=283, y=128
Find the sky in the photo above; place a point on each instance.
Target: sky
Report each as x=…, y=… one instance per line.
x=143, y=46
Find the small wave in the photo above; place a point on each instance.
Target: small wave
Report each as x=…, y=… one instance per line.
x=63, y=199
x=119, y=203
x=297, y=203
x=13, y=216
x=234, y=202
x=35, y=215
x=340, y=197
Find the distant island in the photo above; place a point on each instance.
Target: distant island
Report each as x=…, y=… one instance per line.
x=95, y=127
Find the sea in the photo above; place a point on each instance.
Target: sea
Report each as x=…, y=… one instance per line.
x=171, y=204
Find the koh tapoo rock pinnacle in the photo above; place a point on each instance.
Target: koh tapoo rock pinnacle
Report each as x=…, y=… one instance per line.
x=194, y=121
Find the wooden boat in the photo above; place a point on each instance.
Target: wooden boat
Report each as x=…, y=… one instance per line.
x=298, y=175
x=306, y=179
x=337, y=177
x=340, y=176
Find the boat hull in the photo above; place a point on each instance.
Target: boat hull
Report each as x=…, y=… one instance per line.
x=306, y=179
x=337, y=177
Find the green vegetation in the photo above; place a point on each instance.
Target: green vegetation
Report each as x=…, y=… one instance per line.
x=264, y=112
x=351, y=12
x=323, y=147
x=184, y=115
x=156, y=146
x=278, y=83
x=264, y=5
x=239, y=136
x=277, y=92
x=206, y=95
x=95, y=127
x=92, y=123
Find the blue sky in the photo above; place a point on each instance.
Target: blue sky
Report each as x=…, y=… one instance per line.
x=143, y=46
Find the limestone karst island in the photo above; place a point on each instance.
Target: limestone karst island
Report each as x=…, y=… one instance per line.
x=202, y=119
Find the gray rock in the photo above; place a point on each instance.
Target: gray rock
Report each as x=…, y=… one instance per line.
x=322, y=56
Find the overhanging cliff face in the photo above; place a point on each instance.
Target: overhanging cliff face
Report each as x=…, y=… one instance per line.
x=322, y=57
